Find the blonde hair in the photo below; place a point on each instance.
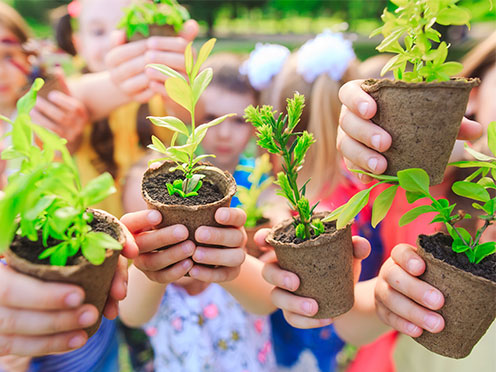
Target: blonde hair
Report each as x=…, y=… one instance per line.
x=320, y=117
x=10, y=19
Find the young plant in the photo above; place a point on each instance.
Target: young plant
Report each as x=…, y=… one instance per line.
x=416, y=184
x=415, y=21
x=139, y=16
x=44, y=199
x=186, y=92
x=276, y=136
x=249, y=196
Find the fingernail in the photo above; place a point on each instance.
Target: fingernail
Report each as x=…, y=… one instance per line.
x=432, y=298
x=187, y=264
x=372, y=163
x=414, y=266
x=325, y=322
x=431, y=322
x=87, y=318
x=376, y=141
x=188, y=248
x=287, y=283
x=307, y=307
x=411, y=328
x=223, y=215
x=363, y=108
x=154, y=217
x=76, y=342
x=179, y=232
x=204, y=235
x=194, y=271
x=73, y=299
x=199, y=255
x=51, y=95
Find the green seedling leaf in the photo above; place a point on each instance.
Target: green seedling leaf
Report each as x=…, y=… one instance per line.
x=478, y=155
x=170, y=122
x=382, y=204
x=205, y=51
x=300, y=231
x=453, y=16
x=414, y=213
x=471, y=190
x=98, y=189
x=166, y=70
x=201, y=130
x=481, y=251
x=188, y=59
x=352, y=208
x=491, y=137
x=414, y=180
x=180, y=92
x=473, y=164
x=380, y=177
x=412, y=197
x=201, y=82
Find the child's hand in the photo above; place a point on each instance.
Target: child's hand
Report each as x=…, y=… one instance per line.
x=233, y=237
x=402, y=300
x=62, y=114
x=164, y=266
x=361, y=141
x=298, y=310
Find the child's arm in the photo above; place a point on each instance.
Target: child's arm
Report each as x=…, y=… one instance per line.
x=361, y=141
x=153, y=270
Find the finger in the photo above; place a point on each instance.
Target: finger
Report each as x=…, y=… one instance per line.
x=37, y=323
x=352, y=96
x=50, y=110
x=361, y=155
x=170, y=274
x=66, y=102
x=469, y=130
x=302, y=322
x=165, y=43
x=135, y=85
x=144, y=96
x=406, y=257
x=25, y=292
x=211, y=275
x=274, y=275
x=268, y=256
x=364, y=131
x=125, y=52
x=397, y=322
x=221, y=236
x=407, y=309
x=111, y=309
x=41, y=345
x=158, y=88
x=141, y=221
x=222, y=257
x=118, y=37
x=230, y=217
x=190, y=30
x=156, y=261
x=156, y=239
x=416, y=289
x=260, y=237
x=170, y=59
x=129, y=69
x=130, y=249
x=289, y=302
x=118, y=289
x=39, y=119
x=361, y=247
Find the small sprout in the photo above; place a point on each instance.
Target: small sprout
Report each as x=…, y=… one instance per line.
x=276, y=135
x=186, y=91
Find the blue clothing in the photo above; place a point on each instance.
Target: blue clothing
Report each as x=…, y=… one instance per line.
x=324, y=343
x=100, y=354
x=241, y=178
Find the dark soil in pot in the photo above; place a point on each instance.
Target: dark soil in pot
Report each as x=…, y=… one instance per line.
x=95, y=280
x=217, y=191
x=323, y=264
x=469, y=291
x=251, y=248
x=423, y=120
x=155, y=30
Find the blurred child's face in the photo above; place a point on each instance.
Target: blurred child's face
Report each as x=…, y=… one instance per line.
x=482, y=98
x=14, y=68
x=228, y=140
x=97, y=21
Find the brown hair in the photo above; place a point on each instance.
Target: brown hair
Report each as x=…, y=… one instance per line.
x=320, y=117
x=13, y=21
x=480, y=59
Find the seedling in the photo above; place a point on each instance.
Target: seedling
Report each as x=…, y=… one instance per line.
x=415, y=22
x=186, y=92
x=141, y=15
x=249, y=196
x=416, y=184
x=44, y=199
x=276, y=136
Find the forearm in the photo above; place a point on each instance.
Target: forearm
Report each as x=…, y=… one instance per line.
x=99, y=94
x=250, y=289
x=143, y=299
x=361, y=324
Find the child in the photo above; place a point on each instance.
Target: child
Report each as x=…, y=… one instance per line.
x=194, y=325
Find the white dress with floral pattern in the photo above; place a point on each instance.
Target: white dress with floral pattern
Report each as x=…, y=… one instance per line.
x=209, y=332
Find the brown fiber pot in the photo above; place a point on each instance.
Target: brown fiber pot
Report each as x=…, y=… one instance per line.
x=51, y=83
x=469, y=307
x=95, y=280
x=165, y=30
x=197, y=215
x=251, y=248
x=324, y=266
x=423, y=120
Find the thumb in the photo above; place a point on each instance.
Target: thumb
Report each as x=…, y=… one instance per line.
x=190, y=30
x=118, y=37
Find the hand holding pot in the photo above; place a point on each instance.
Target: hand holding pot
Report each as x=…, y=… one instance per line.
x=361, y=142
x=232, y=238
x=402, y=300
x=299, y=310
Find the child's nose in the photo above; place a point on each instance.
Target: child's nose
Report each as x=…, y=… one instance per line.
x=225, y=130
